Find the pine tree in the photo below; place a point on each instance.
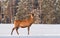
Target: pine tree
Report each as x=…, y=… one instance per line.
x=4, y=11
x=48, y=11
x=22, y=9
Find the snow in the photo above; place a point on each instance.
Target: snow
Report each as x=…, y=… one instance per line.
x=35, y=30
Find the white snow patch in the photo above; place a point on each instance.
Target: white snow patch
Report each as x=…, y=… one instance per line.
x=35, y=30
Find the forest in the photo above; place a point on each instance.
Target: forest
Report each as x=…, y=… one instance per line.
x=45, y=11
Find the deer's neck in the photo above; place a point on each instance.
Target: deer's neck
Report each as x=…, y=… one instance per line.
x=31, y=16
x=31, y=19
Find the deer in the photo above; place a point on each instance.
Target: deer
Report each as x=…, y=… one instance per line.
x=23, y=23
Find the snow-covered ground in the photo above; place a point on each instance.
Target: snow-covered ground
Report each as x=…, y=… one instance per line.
x=35, y=30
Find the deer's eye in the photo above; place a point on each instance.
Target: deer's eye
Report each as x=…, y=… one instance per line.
x=32, y=14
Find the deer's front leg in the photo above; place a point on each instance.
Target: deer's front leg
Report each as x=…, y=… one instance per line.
x=28, y=30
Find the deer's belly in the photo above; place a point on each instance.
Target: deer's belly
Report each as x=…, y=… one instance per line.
x=24, y=25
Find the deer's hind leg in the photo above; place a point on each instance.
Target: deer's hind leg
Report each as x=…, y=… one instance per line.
x=17, y=30
x=13, y=30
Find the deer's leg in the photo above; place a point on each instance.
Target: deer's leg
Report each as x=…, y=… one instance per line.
x=28, y=30
x=17, y=30
x=12, y=30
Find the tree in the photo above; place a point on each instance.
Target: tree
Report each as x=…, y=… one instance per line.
x=22, y=9
x=48, y=11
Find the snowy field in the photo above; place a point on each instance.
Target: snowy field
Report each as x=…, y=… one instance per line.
x=35, y=30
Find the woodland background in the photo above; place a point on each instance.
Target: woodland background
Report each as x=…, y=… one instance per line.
x=46, y=11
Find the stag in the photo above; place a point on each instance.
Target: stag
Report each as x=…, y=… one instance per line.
x=23, y=23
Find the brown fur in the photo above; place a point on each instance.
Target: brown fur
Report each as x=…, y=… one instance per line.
x=23, y=24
